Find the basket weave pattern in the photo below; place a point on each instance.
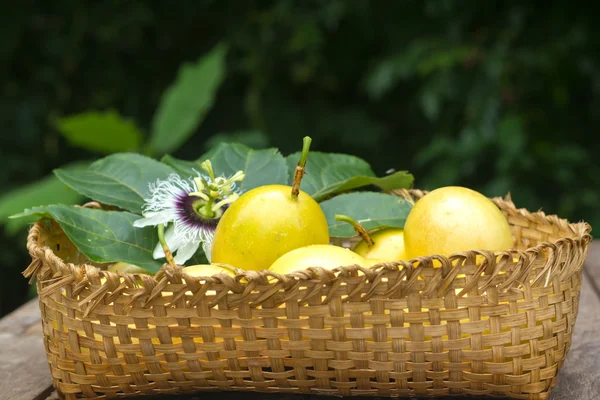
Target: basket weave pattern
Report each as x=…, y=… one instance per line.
x=479, y=323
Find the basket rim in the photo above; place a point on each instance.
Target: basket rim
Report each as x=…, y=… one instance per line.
x=581, y=235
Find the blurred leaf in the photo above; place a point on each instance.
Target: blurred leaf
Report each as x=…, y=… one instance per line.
x=252, y=139
x=104, y=236
x=307, y=36
x=499, y=186
x=380, y=80
x=185, y=104
x=421, y=57
x=444, y=58
x=102, y=132
x=371, y=210
x=434, y=91
x=471, y=143
x=571, y=153
x=331, y=173
x=441, y=174
x=262, y=167
x=511, y=136
x=288, y=119
x=120, y=179
x=353, y=127
x=14, y=226
x=511, y=141
x=430, y=104
x=439, y=146
x=48, y=190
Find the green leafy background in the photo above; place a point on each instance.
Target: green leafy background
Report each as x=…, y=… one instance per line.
x=498, y=96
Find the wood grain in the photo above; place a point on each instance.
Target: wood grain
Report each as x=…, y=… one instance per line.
x=22, y=319
x=592, y=265
x=579, y=378
x=24, y=369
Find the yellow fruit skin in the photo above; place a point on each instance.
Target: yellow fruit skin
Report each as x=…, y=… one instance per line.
x=324, y=255
x=264, y=224
x=454, y=219
x=389, y=246
x=375, y=261
x=207, y=270
x=128, y=268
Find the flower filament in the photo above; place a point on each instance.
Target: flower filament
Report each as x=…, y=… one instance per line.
x=215, y=194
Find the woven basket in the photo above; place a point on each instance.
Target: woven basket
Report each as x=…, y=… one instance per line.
x=486, y=324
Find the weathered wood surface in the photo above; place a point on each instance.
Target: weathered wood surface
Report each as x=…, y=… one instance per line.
x=592, y=266
x=579, y=378
x=24, y=374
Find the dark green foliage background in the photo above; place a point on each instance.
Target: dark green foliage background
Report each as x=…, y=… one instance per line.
x=496, y=95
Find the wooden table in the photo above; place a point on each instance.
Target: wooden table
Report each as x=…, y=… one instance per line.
x=24, y=373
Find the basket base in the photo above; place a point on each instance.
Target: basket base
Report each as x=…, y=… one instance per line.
x=316, y=394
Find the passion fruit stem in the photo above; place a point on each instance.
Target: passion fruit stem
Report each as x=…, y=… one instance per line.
x=300, y=167
x=163, y=243
x=362, y=232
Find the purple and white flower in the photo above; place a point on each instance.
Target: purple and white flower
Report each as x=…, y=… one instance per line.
x=190, y=210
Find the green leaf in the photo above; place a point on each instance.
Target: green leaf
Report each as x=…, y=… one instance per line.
x=184, y=168
x=372, y=210
x=185, y=104
x=48, y=190
x=253, y=139
x=396, y=180
x=120, y=179
x=331, y=173
x=104, y=236
x=103, y=132
x=198, y=258
x=262, y=167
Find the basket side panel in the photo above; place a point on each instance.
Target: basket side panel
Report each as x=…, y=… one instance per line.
x=346, y=339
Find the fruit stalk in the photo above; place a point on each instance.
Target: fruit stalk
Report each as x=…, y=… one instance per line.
x=360, y=230
x=163, y=243
x=300, y=167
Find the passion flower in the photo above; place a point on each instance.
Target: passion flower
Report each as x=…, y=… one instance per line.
x=190, y=209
